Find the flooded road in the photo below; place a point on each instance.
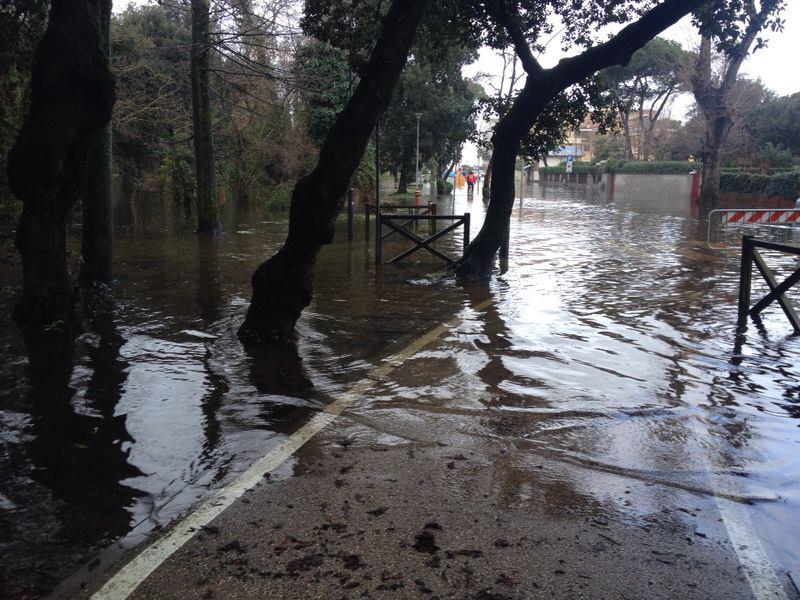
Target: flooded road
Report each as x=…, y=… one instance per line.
x=609, y=345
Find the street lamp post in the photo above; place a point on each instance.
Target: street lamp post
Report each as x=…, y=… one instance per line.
x=418, y=115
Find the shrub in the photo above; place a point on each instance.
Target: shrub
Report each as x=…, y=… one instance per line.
x=443, y=187
x=784, y=185
x=660, y=167
x=279, y=198
x=576, y=168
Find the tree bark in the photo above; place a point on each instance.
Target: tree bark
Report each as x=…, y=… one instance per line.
x=487, y=180
x=713, y=99
x=72, y=96
x=98, y=220
x=406, y=172
x=541, y=86
x=206, y=188
x=283, y=285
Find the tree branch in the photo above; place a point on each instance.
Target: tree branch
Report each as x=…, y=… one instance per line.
x=619, y=49
x=512, y=26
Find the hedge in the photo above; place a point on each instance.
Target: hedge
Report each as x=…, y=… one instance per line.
x=784, y=185
x=660, y=167
x=576, y=168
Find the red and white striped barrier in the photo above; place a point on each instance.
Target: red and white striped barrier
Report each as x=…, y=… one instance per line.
x=758, y=216
x=720, y=220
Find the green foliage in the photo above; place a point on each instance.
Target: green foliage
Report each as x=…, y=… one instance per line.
x=729, y=22
x=444, y=187
x=576, y=168
x=770, y=156
x=279, y=198
x=326, y=78
x=777, y=121
x=662, y=167
x=608, y=146
x=177, y=174
x=565, y=112
x=22, y=22
x=446, y=104
x=784, y=185
x=364, y=177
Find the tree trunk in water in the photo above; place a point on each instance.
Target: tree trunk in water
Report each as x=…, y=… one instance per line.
x=541, y=86
x=478, y=260
x=72, y=96
x=98, y=220
x=406, y=172
x=487, y=179
x=283, y=285
x=206, y=188
x=717, y=129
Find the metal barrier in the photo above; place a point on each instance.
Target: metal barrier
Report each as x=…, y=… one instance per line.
x=727, y=222
x=419, y=242
x=427, y=209
x=751, y=256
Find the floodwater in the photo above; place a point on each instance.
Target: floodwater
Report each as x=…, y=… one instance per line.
x=610, y=344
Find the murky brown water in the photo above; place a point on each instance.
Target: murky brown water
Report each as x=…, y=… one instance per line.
x=610, y=344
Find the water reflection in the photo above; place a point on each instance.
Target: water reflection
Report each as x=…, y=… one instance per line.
x=76, y=451
x=278, y=374
x=610, y=353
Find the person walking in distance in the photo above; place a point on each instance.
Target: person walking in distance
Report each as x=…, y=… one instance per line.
x=471, y=179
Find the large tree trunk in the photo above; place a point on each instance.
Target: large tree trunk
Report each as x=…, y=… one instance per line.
x=717, y=129
x=626, y=133
x=487, y=180
x=72, y=96
x=406, y=172
x=283, y=285
x=207, y=217
x=541, y=86
x=97, y=234
x=478, y=260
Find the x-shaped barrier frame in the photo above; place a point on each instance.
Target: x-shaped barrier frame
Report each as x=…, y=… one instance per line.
x=750, y=256
x=420, y=242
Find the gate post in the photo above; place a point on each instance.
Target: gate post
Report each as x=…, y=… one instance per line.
x=466, y=232
x=745, y=279
x=351, y=225
x=378, y=236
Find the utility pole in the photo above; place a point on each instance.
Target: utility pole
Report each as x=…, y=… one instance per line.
x=418, y=115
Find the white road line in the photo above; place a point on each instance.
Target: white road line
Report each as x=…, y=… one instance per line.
x=127, y=579
x=757, y=567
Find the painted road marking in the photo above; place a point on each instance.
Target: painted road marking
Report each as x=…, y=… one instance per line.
x=760, y=574
x=127, y=579
x=752, y=556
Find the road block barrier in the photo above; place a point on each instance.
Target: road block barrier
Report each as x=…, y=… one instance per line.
x=773, y=223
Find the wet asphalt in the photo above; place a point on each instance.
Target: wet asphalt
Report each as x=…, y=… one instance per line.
x=370, y=515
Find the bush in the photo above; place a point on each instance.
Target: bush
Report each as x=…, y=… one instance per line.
x=443, y=187
x=784, y=185
x=576, y=168
x=659, y=167
x=279, y=198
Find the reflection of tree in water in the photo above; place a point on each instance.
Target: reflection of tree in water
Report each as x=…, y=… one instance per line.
x=76, y=452
x=210, y=302
x=277, y=370
x=495, y=373
x=80, y=456
x=518, y=483
x=209, y=291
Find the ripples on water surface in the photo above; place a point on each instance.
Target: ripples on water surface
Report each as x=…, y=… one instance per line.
x=610, y=345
